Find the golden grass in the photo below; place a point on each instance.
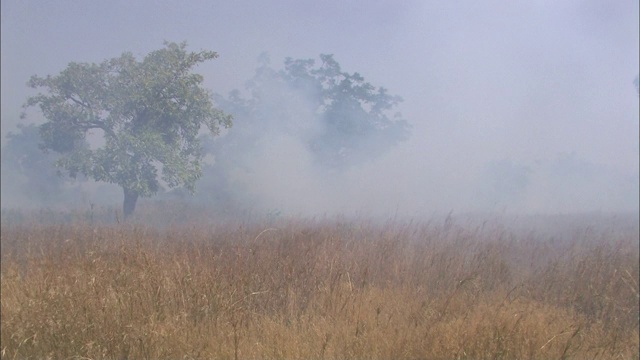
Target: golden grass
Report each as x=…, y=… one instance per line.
x=319, y=289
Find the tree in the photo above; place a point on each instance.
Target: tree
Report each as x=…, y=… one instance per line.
x=353, y=113
x=337, y=118
x=148, y=112
x=342, y=119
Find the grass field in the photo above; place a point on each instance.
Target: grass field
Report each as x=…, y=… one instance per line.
x=555, y=287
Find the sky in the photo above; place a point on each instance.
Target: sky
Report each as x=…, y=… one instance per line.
x=530, y=83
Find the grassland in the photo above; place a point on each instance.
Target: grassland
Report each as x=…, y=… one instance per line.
x=324, y=288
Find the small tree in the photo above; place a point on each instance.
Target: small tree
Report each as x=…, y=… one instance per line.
x=149, y=113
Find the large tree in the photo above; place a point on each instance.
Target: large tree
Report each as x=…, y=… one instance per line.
x=149, y=114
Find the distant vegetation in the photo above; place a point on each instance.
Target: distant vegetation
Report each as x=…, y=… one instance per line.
x=340, y=118
x=29, y=171
x=311, y=110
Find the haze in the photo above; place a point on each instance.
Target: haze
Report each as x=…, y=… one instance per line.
x=494, y=90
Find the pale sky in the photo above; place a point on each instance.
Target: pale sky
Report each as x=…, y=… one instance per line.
x=481, y=81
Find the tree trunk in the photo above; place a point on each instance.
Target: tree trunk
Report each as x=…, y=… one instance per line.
x=130, y=199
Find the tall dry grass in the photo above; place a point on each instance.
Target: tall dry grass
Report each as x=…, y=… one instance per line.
x=320, y=289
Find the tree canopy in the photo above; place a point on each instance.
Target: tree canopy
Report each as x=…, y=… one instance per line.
x=338, y=118
x=343, y=119
x=148, y=113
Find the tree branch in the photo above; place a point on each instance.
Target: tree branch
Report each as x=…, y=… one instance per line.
x=79, y=102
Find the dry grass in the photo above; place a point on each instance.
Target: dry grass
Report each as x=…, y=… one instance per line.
x=319, y=289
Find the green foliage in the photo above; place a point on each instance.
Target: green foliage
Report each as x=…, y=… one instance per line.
x=341, y=118
x=149, y=113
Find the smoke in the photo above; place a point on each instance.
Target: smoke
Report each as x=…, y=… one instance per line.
x=271, y=167
x=520, y=107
